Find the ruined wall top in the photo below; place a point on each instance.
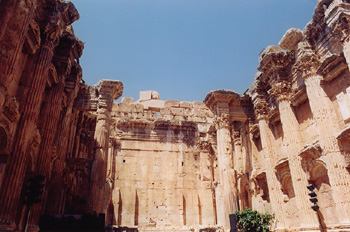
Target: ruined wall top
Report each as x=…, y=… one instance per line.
x=150, y=108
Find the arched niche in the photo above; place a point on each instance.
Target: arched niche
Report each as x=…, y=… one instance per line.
x=318, y=176
x=285, y=178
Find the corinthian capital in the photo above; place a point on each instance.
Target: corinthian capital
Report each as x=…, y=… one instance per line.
x=281, y=90
x=222, y=121
x=307, y=61
x=260, y=109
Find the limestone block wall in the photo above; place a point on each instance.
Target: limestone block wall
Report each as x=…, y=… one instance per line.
x=164, y=177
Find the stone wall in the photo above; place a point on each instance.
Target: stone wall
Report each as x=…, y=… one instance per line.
x=155, y=165
x=164, y=173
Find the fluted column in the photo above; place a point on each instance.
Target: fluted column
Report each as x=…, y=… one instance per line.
x=326, y=123
x=15, y=171
x=46, y=156
x=261, y=106
x=292, y=143
x=227, y=177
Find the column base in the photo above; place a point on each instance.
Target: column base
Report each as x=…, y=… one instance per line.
x=8, y=227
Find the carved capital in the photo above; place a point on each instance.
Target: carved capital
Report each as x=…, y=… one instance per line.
x=260, y=109
x=236, y=137
x=222, y=121
x=307, y=62
x=281, y=90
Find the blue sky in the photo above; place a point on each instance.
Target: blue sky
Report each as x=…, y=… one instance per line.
x=182, y=48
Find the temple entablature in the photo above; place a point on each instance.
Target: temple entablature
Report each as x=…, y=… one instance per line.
x=229, y=102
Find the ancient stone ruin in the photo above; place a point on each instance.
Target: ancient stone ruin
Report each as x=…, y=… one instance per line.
x=155, y=165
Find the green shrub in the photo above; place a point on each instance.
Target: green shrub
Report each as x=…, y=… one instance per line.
x=250, y=220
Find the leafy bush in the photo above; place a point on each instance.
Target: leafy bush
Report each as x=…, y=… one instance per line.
x=250, y=220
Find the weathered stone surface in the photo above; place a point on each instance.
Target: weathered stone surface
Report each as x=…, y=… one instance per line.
x=290, y=39
x=155, y=165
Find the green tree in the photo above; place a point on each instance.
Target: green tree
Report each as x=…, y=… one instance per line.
x=250, y=220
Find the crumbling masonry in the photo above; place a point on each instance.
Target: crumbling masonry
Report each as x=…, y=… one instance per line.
x=155, y=165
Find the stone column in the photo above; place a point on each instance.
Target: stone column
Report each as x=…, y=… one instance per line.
x=326, y=123
x=12, y=34
x=261, y=109
x=227, y=177
x=108, y=91
x=292, y=142
x=15, y=171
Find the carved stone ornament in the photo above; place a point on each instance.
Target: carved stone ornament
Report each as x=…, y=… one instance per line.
x=32, y=38
x=260, y=109
x=341, y=29
x=10, y=109
x=222, y=121
x=281, y=90
x=307, y=62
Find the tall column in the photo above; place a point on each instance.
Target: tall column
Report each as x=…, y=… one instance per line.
x=326, y=123
x=227, y=177
x=261, y=108
x=292, y=141
x=108, y=91
x=45, y=156
x=15, y=171
x=12, y=34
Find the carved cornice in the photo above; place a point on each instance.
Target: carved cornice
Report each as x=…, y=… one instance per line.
x=338, y=18
x=222, y=96
x=332, y=67
x=312, y=151
x=275, y=61
x=222, y=122
x=281, y=91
